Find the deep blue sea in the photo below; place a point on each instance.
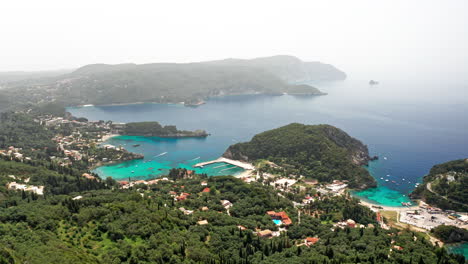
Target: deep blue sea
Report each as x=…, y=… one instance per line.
x=410, y=125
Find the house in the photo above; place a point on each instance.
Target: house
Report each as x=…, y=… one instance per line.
x=311, y=240
x=265, y=233
x=204, y=208
x=242, y=228
x=397, y=247
x=226, y=204
x=351, y=223
x=280, y=216
x=204, y=183
x=89, y=176
x=77, y=197
x=206, y=190
x=202, y=222
x=182, y=197
x=185, y=211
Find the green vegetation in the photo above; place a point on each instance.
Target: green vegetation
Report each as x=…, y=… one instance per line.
x=154, y=129
x=322, y=152
x=445, y=186
x=190, y=83
x=20, y=130
x=303, y=89
x=145, y=225
x=450, y=234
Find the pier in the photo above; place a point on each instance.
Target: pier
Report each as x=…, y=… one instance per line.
x=243, y=165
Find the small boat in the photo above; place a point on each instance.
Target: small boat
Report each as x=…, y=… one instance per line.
x=381, y=178
x=151, y=168
x=133, y=171
x=385, y=158
x=388, y=175
x=386, y=180
x=394, y=181
x=136, y=145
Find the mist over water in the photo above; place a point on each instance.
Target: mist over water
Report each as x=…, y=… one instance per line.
x=410, y=125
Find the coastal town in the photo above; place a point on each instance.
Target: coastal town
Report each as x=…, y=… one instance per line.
x=83, y=144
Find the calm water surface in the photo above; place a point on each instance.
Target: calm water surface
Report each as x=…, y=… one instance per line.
x=410, y=125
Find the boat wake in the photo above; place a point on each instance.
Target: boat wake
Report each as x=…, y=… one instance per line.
x=162, y=154
x=194, y=159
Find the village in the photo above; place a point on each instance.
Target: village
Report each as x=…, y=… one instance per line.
x=81, y=142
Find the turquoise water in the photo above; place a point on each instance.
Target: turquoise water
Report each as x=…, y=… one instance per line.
x=461, y=249
x=399, y=120
x=277, y=222
x=161, y=154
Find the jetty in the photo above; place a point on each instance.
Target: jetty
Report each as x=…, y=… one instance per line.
x=243, y=165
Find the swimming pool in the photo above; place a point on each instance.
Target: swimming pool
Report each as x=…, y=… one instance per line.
x=277, y=222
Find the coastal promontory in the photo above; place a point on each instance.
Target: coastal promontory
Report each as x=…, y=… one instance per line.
x=322, y=152
x=154, y=129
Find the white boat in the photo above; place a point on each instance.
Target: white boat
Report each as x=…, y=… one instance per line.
x=385, y=158
x=386, y=180
x=162, y=154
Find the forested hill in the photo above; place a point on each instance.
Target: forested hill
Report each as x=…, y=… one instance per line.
x=322, y=152
x=154, y=129
x=445, y=186
x=190, y=83
x=290, y=68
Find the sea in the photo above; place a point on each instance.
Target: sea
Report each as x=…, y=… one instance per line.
x=410, y=124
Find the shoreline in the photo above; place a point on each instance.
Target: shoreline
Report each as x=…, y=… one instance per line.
x=386, y=207
x=107, y=137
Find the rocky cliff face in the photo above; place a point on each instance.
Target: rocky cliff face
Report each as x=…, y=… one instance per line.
x=358, y=152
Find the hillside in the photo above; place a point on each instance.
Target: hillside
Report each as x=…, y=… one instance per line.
x=154, y=129
x=445, y=186
x=190, y=83
x=289, y=68
x=322, y=152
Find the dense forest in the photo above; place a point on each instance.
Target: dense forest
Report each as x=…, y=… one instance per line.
x=154, y=129
x=144, y=224
x=450, y=234
x=322, y=152
x=445, y=186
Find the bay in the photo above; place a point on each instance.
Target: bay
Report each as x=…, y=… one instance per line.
x=410, y=125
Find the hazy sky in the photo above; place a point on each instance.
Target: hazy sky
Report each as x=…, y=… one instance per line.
x=360, y=37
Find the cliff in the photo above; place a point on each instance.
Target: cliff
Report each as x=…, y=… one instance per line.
x=323, y=152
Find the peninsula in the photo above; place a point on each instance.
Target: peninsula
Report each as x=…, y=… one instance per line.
x=154, y=129
x=320, y=152
x=190, y=83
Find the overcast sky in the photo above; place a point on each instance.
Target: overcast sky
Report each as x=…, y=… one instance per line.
x=360, y=37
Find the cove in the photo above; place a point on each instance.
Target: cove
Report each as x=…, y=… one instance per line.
x=413, y=133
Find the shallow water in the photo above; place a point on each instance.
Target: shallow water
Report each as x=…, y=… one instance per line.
x=408, y=127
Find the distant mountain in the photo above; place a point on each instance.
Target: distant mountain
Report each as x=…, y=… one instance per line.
x=322, y=152
x=289, y=68
x=190, y=83
x=25, y=76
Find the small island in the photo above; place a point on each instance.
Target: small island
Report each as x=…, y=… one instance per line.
x=154, y=129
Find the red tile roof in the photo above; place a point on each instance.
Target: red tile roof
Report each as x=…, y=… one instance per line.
x=206, y=190
x=312, y=240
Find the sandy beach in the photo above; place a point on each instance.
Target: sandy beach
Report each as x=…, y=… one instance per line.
x=107, y=137
x=388, y=208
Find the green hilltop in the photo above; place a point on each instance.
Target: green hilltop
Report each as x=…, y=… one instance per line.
x=322, y=152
